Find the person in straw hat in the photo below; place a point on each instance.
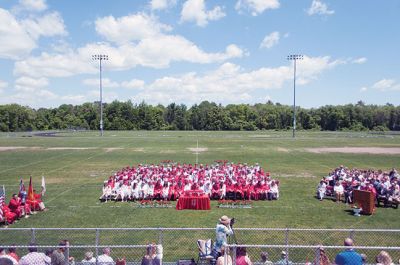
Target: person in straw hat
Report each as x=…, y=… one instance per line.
x=222, y=230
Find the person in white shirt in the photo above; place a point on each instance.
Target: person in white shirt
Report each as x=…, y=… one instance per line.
x=105, y=259
x=34, y=257
x=321, y=190
x=89, y=259
x=339, y=191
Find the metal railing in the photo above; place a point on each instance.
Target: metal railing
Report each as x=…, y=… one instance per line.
x=180, y=243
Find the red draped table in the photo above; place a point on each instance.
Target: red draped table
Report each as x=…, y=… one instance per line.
x=193, y=200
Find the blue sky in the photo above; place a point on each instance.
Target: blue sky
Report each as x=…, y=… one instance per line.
x=187, y=51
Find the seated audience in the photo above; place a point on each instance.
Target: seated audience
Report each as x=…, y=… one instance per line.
x=105, y=258
x=222, y=260
x=89, y=258
x=284, y=259
x=241, y=257
x=384, y=258
x=265, y=258
x=150, y=258
x=169, y=182
x=343, y=181
x=34, y=257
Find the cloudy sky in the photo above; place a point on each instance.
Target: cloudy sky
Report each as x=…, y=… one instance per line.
x=187, y=51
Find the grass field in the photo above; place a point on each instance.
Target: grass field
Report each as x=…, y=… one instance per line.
x=74, y=176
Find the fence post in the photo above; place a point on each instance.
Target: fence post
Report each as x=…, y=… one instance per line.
x=33, y=235
x=97, y=244
x=317, y=255
x=287, y=242
x=351, y=235
x=160, y=236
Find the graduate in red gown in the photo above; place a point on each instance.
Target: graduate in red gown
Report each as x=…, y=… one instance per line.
x=15, y=206
x=9, y=216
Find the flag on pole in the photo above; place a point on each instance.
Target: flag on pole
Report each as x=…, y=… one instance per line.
x=22, y=191
x=21, y=187
x=2, y=195
x=31, y=196
x=43, y=186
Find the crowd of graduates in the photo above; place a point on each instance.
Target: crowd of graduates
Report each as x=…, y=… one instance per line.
x=342, y=181
x=168, y=181
x=21, y=205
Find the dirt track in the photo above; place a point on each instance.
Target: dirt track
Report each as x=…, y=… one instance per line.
x=356, y=150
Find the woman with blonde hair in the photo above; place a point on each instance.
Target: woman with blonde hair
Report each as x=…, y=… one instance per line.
x=384, y=258
x=221, y=259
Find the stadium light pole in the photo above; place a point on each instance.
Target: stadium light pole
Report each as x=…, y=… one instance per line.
x=100, y=58
x=294, y=58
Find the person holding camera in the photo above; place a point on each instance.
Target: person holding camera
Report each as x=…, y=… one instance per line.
x=222, y=230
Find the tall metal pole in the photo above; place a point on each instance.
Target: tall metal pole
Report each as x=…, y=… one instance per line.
x=101, y=57
x=294, y=58
x=294, y=98
x=101, y=101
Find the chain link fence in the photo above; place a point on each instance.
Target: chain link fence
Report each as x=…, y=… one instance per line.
x=301, y=245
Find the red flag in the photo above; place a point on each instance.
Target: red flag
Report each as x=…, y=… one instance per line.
x=31, y=196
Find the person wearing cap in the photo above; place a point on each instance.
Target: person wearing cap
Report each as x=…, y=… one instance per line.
x=222, y=230
x=284, y=259
x=89, y=258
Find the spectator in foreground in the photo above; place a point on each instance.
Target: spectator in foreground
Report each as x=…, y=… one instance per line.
x=348, y=256
x=89, y=258
x=323, y=258
x=59, y=256
x=151, y=256
x=222, y=230
x=284, y=259
x=5, y=256
x=241, y=257
x=105, y=259
x=364, y=258
x=34, y=257
x=221, y=259
x=265, y=258
x=5, y=261
x=384, y=258
x=12, y=252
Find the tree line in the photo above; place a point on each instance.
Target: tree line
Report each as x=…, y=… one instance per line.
x=204, y=116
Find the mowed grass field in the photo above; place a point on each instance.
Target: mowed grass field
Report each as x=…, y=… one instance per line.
x=74, y=176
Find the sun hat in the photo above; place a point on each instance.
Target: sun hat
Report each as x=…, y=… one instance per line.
x=224, y=220
x=89, y=255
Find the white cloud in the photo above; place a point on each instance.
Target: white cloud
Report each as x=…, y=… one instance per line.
x=363, y=89
x=3, y=84
x=319, y=8
x=270, y=40
x=133, y=84
x=360, y=60
x=28, y=84
x=33, y=5
x=106, y=82
x=162, y=4
x=48, y=25
x=15, y=42
x=56, y=65
x=19, y=37
x=386, y=85
x=256, y=7
x=195, y=11
x=157, y=52
x=229, y=83
x=130, y=28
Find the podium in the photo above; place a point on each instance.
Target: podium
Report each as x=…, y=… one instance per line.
x=366, y=200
